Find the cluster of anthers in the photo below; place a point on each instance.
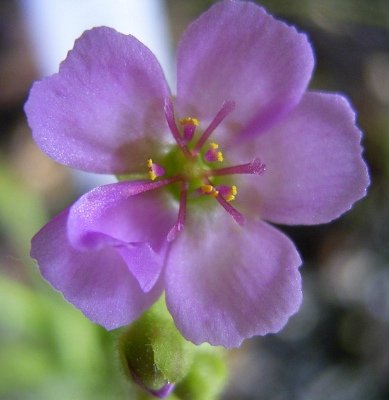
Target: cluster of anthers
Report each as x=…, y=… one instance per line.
x=194, y=163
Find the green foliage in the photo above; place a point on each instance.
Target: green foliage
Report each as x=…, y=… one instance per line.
x=21, y=213
x=49, y=350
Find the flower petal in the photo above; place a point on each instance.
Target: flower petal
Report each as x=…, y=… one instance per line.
x=314, y=169
x=243, y=281
x=103, y=111
x=130, y=217
x=144, y=263
x=97, y=281
x=237, y=52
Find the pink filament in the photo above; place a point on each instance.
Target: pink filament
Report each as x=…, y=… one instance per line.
x=189, y=131
x=141, y=186
x=235, y=214
x=238, y=217
x=179, y=225
x=169, y=115
x=254, y=167
x=227, y=108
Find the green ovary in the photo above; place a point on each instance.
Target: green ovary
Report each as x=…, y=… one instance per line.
x=191, y=169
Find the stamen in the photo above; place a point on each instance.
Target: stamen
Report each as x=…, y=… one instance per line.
x=254, y=167
x=227, y=108
x=189, y=121
x=189, y=124
x=213, y=154
x=179, y=225
x=171, y=121
x=238, y=217
x=189, y=131
x=228, y=192
x=155, y=170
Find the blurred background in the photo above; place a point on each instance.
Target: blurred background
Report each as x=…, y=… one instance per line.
x=335, y=348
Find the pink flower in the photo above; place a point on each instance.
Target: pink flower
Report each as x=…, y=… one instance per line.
x=241, y=143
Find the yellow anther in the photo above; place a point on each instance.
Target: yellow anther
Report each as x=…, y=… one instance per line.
x=189, y=121
x=213, y=145
x=210, y=190
x=154, y=170
x=207, y=189
x=152, y=175
x=219, y=156
x=232, y=193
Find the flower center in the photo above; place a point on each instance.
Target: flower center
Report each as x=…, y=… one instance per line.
x=199, y=165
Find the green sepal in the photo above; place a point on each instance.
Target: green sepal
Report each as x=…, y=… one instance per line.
x=153, y=351
x=207, y=376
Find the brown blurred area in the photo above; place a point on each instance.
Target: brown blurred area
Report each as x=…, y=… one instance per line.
x=18, y=70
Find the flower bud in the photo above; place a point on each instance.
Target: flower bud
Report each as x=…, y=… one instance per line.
x=153, y=353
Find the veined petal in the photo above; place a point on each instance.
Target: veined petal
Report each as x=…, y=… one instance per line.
x=97, y=282
x=243, y=282
x=129, y=216
x=237, y=52
x=103, y=111
x=314, y=168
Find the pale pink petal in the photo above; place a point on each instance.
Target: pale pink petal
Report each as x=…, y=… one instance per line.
x=237, y=52
x=143, y=262
x=130, y=216
x=226, y=283
x=103, y=111
x=314, y=168
x=97, y=282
